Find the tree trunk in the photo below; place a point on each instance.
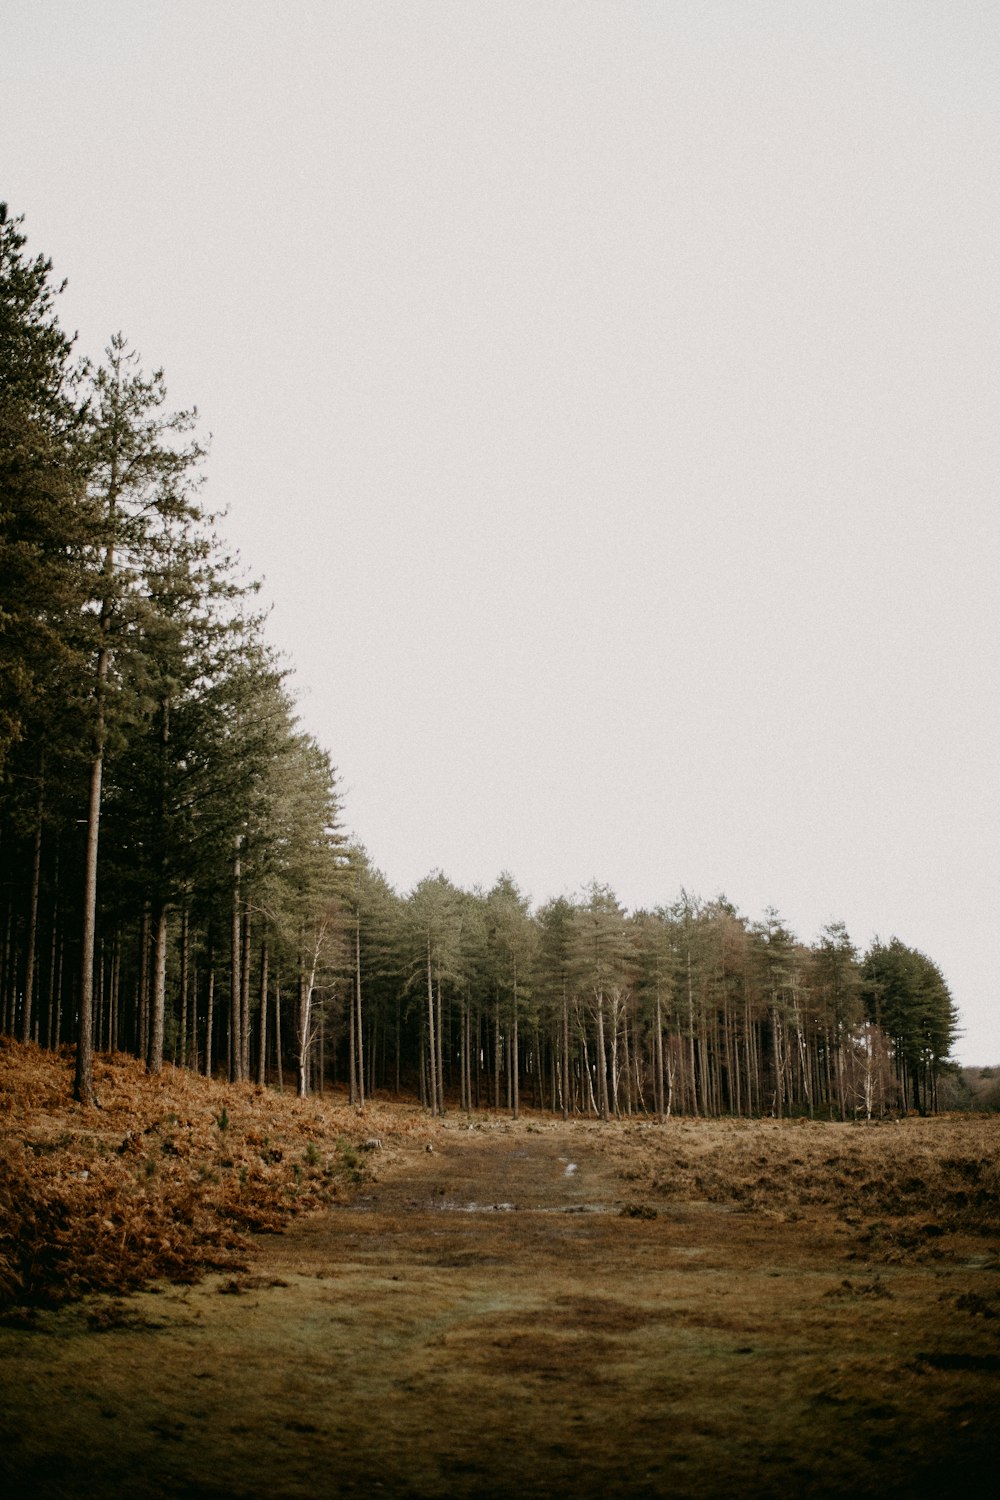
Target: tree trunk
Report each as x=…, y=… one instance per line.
x=565, y=1052
x=515, y=1062
x=32, y=935
x=209, y=1021
x=192, y=1054
x=690, y=989
x=142, y=1049
x=83, y=1089
x=430, y=1032
x=245, y=934
x=440, y=1048
x=305, y=1006
x=184, y=1051
x=352, y=1051
x=277, y=1035
x=116, y=971
x=84, y=1083
x=360, y=1014
x=154, y=1061
x=236, y=981
x=658, y=1060
x=602, y=1061
x=262, y=1047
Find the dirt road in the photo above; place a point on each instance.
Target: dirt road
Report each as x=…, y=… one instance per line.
x=497, y=1316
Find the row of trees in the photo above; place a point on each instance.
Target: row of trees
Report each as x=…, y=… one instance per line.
x=690, y=1007
x=174, y=881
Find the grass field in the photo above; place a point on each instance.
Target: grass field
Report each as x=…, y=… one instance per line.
x=689, y=1309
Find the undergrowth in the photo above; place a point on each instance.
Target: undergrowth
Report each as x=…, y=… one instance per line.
x=899, y=1183
x=165, y=1180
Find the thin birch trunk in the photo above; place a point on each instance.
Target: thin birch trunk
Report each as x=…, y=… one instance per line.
x=602, y=1061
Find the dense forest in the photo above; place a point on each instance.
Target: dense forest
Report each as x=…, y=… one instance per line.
x=175, y=881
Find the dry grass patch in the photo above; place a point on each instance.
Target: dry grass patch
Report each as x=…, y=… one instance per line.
x=903, y=1184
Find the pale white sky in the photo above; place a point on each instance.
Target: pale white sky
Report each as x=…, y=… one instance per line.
x=608, y=393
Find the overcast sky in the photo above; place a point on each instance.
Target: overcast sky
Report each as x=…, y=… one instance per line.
x=608, y=395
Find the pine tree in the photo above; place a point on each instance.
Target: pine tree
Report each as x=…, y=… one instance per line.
x=139, y=464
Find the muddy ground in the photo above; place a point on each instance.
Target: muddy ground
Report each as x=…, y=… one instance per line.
x=520, y=1311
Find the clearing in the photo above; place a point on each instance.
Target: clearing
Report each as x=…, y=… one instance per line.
x=539, y=1308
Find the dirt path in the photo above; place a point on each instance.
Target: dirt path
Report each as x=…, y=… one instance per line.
x=486, y=1321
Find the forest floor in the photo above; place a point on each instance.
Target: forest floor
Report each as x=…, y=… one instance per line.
x=485, y=1307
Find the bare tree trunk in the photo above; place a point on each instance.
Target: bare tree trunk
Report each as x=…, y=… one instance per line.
x=669, y=1080
x=116, y=968
x=245, y=999
x=431, y=1048
x=440, y=1048
x=53, y=952
x=305, y=1039
x=236, y=980
x=613, y=1105
x=143, y=993
x=209, y=1021
x=602, y=1061
x=690, y=988
x=192, y=1055
x=468, y=1054
x=360, y=1014
x=591, y=1102
x=154, y=1062
x=262, y=1048
x=32, y=934
x=352, y=1050
x=58, y=988
x=183, y=1051
x=277, y=1035
x=515, y=1061
x=100, y=998
x=565, y=1052
x=84, y=1083
x=658, y=1060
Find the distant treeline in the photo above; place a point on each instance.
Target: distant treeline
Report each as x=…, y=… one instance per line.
x=175, y=882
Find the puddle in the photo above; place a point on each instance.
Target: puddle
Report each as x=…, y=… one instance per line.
x=474, y=1208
